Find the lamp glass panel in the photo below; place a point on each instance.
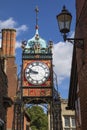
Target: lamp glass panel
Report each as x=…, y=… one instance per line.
x=64, y=21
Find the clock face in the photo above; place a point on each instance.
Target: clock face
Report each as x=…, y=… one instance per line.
x=37, y=72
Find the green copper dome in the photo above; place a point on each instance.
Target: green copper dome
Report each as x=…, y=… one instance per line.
x=36, y=40
x=36, y=43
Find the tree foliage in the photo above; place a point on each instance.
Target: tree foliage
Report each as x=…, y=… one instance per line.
x=39, y=120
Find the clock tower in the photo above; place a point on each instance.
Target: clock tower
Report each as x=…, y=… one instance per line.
x=37, y=71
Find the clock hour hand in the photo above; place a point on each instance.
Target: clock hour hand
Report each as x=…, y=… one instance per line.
x=33, y=72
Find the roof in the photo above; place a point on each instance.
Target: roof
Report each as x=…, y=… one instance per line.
x=35, y=43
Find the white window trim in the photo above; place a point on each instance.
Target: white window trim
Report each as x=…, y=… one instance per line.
x=68, y=127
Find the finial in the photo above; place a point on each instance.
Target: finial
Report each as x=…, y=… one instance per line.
x=37, y=10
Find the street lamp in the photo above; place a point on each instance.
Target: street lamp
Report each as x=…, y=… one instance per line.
x=64, y=22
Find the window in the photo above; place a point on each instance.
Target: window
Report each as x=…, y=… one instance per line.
x=67, y=121
x=73, y=121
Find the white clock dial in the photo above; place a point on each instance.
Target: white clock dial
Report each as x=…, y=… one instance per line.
x=37, y=72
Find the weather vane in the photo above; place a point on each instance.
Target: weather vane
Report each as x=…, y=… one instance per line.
x=37, y=10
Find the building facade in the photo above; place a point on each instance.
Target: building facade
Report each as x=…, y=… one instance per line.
x=5, y=101
x=78, y=82
x=67, y=116
x=9, y=73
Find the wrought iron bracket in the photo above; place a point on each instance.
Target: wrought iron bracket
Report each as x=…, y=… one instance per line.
x=79, y=43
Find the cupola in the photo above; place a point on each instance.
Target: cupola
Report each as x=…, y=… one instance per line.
x=36, y=44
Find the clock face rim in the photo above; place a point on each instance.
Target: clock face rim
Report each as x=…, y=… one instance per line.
x=43, y=67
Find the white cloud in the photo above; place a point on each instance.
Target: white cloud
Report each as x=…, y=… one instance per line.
x=11, y=23
x=72, y=34
x=18, y=44
x=62, y=57
x=21, y=29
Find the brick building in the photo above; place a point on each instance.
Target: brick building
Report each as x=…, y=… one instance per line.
x=7, y=53
x=5, y=101
x=78, y=82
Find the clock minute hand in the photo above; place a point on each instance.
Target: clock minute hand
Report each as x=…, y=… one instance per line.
x=33, y=72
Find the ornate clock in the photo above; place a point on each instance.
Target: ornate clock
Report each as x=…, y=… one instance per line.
x=37, y=72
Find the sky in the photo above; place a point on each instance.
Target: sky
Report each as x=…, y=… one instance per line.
x=20, y=15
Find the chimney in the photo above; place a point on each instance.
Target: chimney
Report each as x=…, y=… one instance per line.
x=8, y=42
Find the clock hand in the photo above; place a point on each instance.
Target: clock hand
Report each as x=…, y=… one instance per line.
x=33, y=72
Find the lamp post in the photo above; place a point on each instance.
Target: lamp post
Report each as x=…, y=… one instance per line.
x=64, y=22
